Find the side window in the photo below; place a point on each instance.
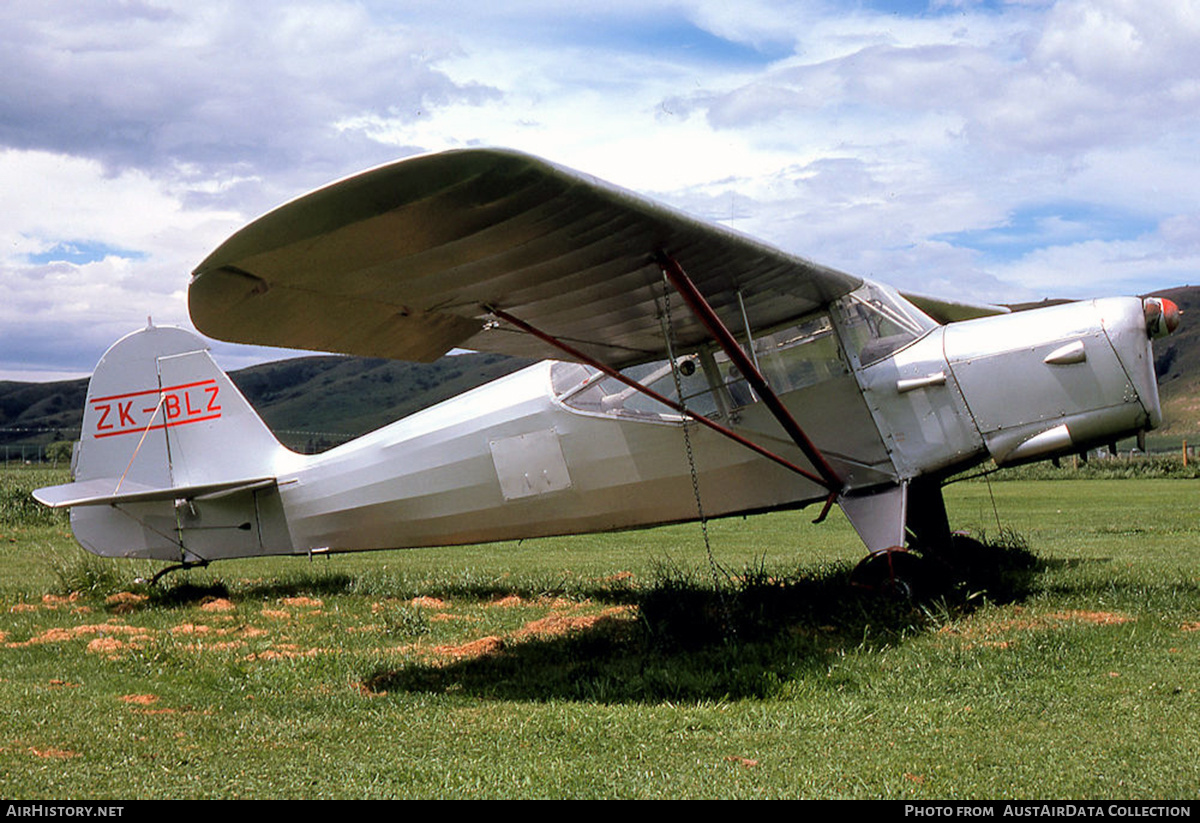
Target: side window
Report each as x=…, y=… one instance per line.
x=600, y=394
x=800, y=356
x=793, y=358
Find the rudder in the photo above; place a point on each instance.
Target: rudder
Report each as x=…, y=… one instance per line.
x=173, y=462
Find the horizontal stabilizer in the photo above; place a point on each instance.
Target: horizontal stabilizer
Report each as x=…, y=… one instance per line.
x=104, y=491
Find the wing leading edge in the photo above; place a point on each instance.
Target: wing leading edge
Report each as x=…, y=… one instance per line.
x=402, y=261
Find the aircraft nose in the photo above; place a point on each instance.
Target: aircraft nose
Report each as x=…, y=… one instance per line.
x=1162, y=316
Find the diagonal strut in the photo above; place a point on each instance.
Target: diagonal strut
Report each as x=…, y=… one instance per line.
x=705, y=314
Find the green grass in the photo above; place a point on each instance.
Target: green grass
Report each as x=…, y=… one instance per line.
x=608, y=666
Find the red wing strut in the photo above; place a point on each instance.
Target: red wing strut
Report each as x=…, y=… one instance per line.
x=704, y=312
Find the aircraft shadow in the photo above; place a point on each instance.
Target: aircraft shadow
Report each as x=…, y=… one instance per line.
x=692, y=641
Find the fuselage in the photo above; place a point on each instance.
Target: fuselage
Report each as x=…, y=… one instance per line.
x=524, y=457
x=510, y=460
x=888, y=397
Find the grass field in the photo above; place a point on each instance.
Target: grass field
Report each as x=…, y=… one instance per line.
x=608, y=666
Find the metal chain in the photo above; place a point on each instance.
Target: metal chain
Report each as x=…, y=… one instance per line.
x=714, y=569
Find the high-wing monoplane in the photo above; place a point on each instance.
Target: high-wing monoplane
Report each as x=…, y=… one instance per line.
x=694, y=372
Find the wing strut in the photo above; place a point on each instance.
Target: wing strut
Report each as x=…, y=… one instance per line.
x=577, y=355
x=704, y=312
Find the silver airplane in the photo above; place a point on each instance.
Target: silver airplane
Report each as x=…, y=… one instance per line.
x=696, y=373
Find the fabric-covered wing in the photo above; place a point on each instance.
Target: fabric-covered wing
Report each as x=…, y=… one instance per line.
x=402, y=261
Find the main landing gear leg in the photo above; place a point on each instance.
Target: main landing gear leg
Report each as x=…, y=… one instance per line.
x=925, y=521
x=896, y=570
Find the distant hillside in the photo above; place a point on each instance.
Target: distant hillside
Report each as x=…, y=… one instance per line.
x=309, y=402
x=40, y=412
x=327, y=400
x=317, y=402
x=1177, y=362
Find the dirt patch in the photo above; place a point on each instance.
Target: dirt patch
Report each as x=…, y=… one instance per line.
x=435, y=603
x=202, y=630
x=22, y=607
x=1190, y=627
x=284, y=652
x=108, y=642
x=48, y=636
x=555, y=624
x=127, y=598
x=366, y=691
x=53, y=601
x=558, y=624
x=110, y=646
x=217, y=604
x=139, y=699
x=476, y=648
x=108, y=630
x=218, y=646
x=52, y=753
x=983, y=633
x=125, y=602
x=276, y=614
x=508, y=602
x=190, y=628
x=619, y=577
x=1095, y=618
x=302, y=602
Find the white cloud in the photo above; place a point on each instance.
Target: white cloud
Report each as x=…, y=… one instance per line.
x=135, y=244
x=899, y=145
x=50, y=197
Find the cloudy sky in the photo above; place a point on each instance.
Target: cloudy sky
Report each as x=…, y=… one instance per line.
x=985, y=150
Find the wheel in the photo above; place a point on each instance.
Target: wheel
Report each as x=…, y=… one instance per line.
x=894, y=571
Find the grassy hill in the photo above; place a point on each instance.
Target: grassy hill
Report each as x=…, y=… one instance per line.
x=1177, y=361
x=38, y=413
x=317, y=402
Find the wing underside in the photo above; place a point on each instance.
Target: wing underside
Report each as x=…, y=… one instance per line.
x=405, y=261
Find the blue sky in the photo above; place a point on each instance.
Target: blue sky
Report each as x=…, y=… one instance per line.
x=994, y=151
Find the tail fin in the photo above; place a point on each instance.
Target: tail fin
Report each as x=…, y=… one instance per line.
x=173, y=463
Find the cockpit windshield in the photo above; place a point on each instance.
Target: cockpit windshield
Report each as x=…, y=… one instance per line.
x=876, y=321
